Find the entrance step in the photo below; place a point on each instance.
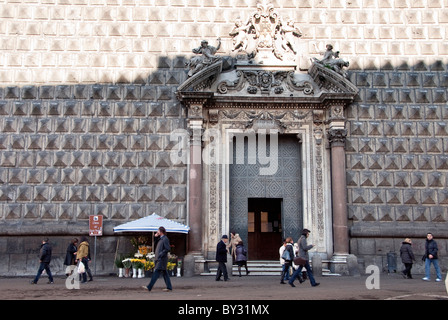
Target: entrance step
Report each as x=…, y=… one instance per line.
x=256, y=268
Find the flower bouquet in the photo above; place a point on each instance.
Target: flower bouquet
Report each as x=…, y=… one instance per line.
x=137, y=266
x=170, y=266
x=127, y=264
x=149, y=265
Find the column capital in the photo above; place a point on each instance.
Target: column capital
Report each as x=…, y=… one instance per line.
x=337, y=137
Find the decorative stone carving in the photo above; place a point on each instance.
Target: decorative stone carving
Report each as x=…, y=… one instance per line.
x=332, y=61
x=206, y=57
x=265, y=31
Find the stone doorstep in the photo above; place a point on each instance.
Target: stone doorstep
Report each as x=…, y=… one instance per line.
x=256, y=268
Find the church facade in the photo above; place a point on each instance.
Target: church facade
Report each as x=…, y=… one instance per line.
x=260, y=118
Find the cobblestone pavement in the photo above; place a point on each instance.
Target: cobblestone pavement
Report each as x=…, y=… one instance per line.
x=391, y=287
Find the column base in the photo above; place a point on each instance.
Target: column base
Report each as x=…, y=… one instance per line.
x=344, y=264
x=193, y=264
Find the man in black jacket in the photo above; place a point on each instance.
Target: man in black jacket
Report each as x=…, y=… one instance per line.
x=162, y=249
x=45, y=258
x=431, y=256
x=221, y=258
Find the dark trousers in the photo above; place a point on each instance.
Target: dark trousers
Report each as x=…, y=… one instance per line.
x=155, y=277
x=43, y=266
x=222, y=270
x=83, y=276
x=407, y=270
x=285, y=271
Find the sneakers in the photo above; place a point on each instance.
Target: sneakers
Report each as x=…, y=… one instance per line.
x=428, y=279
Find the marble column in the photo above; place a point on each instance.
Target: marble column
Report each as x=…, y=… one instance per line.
x=195, y=188
x=339, y=191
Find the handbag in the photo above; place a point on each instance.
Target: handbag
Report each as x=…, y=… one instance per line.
x=81, y=267
x=299, y=261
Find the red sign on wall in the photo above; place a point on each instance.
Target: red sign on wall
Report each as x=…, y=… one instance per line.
x=95, y=226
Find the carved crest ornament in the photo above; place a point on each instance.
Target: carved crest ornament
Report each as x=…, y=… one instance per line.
x=263, y=64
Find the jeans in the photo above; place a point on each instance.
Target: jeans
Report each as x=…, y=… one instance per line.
x=436, y=266
x=298, y=272
x=43, y=266
x=286, y=272
x=156, y=275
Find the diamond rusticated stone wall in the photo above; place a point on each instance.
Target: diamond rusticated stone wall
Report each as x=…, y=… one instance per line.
x=87, y=104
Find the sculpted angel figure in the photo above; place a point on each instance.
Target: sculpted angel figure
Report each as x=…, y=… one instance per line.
x=288, y=32
x=239, y=34
x=206, y=56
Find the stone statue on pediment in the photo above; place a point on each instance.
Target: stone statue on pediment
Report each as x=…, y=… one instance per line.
x=332, y=61
x=205, y=57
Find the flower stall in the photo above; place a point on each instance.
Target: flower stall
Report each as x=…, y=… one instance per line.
x=142, y=262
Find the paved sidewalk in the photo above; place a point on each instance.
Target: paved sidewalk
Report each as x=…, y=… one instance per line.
x=392, y=287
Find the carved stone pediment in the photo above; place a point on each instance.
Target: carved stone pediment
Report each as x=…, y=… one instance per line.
x=261, y=88
x=203, y=79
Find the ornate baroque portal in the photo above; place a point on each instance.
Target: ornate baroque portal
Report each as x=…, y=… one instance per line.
x=259, y=92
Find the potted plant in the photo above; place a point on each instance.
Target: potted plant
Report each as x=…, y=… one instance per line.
x=172, y=263
x=119, y=264
x=170, y=267
x=148, y=267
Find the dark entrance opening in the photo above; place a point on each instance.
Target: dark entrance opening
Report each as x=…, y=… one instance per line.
x=264, y=228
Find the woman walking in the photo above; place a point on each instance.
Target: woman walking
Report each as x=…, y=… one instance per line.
x=407, y=257
x=70, y=257
x=241, y=257
x=82, y=255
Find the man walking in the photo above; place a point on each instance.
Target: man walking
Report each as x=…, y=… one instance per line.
x=221, y=258
x=431, y=256
x=44, y=258
x=303, y=253
x=162, y=249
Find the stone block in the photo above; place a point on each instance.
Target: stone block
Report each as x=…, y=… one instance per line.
x=76, y=194
x=162, y=194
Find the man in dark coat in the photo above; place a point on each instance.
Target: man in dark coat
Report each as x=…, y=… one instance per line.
x=44, y=258
x=407, y=258
x=221, y=258
x=303, y=253
x=431, y=256
x=163, y=247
